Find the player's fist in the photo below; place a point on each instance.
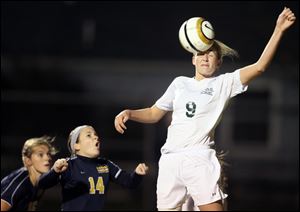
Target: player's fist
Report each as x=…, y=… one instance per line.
x=141, y=169
x=60, y=165
x=285, y=19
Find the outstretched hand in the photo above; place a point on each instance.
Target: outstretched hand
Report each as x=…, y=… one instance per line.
x=141, y=169
x=285, y=19
x=120, y=121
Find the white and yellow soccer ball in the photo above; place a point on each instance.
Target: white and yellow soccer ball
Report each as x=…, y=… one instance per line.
x=196, y=35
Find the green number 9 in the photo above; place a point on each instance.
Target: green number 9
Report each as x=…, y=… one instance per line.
x=191, y=109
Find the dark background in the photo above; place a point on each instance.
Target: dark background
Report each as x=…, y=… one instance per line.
x=68, y=63
x=136, y=29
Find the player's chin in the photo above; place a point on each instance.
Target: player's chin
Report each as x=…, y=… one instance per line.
x=96, y=153
x=209, y=74
x=44, y=170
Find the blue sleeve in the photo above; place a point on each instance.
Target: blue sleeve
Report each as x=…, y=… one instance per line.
x=121, y=177
x=14, y=185
x=49, y=179
x=10, y=193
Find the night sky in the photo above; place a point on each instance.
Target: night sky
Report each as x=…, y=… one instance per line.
x=137, y=29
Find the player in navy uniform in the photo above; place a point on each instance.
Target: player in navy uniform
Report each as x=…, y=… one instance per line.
x=19, y=191
x=85, y=176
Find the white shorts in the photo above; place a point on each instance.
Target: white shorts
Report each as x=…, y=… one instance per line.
x=195, y=171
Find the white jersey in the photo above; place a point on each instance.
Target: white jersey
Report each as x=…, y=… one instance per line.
x=197, y=108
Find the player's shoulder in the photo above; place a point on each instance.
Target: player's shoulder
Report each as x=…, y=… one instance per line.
x=103, y=160
x=13, y=181
x=229, y=74
x=108, y=162
x=16, y=176
x=72, y=158
x=182, y=79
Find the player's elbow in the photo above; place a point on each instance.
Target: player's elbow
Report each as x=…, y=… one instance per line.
x=154, y=120
x=156, y=114
x=260, y=67
x=260, y=70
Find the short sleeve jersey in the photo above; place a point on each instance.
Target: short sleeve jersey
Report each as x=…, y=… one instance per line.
x=18, y=191
x=197, y=108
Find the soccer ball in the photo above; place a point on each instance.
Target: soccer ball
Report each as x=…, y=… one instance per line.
x=196, y=35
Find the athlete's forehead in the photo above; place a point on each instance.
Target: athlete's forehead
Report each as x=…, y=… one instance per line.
x=87, y=130
x=41, y=148
x=209, y=51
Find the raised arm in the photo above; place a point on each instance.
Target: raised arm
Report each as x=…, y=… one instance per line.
x=284, y=21
x=146, y=115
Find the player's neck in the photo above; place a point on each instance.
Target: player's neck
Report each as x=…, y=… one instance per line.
x=33, y=176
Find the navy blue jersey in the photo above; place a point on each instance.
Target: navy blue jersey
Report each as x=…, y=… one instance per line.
x=18, y=191
x=86, y=181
